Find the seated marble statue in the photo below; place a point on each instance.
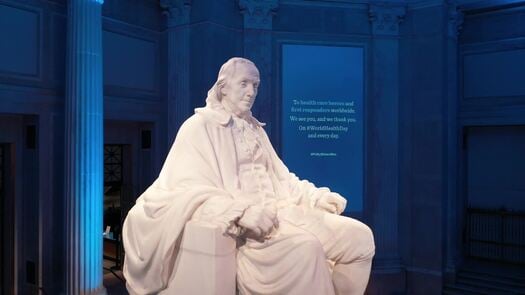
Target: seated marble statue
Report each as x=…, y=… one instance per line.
x=222, y=168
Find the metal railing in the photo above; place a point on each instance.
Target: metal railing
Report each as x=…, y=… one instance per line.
x=497, y=235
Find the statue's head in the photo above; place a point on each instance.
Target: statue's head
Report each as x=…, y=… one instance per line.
x=237, y=85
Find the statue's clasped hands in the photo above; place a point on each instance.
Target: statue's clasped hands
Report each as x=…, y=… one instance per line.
x=331, y=202
x=258, y=221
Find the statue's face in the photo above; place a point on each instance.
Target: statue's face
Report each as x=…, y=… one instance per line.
x=238, y=95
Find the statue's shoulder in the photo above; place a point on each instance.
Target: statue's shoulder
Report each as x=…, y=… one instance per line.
x=194, y=123
x=212, y=117
x=203, y=119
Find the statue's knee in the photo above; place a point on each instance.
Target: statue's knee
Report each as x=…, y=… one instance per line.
x=362, y=240
x=368, y=244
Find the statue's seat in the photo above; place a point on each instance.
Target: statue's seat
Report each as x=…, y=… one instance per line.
x=206, y=264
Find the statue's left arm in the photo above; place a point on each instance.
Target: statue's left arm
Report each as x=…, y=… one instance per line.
x=315, y=197
x=303, y=191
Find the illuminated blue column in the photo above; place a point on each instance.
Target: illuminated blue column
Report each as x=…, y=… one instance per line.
x=84, y=148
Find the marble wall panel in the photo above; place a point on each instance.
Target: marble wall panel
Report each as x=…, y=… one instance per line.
x=21, y=37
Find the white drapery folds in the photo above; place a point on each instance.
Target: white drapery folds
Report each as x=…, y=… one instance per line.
x=201, y=165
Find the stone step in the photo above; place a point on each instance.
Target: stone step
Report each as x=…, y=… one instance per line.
x=448, y=291
x=492, y=288
x=494, y=280
x=509, y=277
x=467, y=290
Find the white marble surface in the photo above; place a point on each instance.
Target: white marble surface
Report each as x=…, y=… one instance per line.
x=222, y=170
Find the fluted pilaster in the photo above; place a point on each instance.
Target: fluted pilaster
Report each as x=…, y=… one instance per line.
x=453, y=241
x=84, y=148
x=455, y=20
x=177, y=20
x=383, y=131
x=258, y=23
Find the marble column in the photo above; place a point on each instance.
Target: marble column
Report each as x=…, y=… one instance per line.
x=178, y=55
x=258, y=16
x=383, y=185
x=84, y=148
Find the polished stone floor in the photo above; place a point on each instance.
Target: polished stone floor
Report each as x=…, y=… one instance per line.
x=114, y=281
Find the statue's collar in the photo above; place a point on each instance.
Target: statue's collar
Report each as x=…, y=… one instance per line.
x=223, y=117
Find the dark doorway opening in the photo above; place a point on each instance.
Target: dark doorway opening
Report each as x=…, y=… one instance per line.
x=113, y=188
x=495, y=190
x=2, y=198
x=6, y=219
x=127, y=171
x=492, y=211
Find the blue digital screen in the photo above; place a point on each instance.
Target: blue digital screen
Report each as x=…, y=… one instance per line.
x=322, y=117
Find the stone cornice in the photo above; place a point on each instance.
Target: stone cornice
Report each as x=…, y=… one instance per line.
x=386, y=17
x=258, y=14
x=177, y=11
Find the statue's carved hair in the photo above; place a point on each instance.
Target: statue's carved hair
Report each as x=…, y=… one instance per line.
x=226, y=72
x=228, y=69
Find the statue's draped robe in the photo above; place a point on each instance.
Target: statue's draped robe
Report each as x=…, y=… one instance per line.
x=201, y=171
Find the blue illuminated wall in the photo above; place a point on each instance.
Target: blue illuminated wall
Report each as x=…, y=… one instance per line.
x=32, y=79
x=322, y=117
x=429, y=110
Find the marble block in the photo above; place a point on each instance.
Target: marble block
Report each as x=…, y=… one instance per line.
x=206, y=262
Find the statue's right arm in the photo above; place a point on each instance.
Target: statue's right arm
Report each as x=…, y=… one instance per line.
x=194, y=152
